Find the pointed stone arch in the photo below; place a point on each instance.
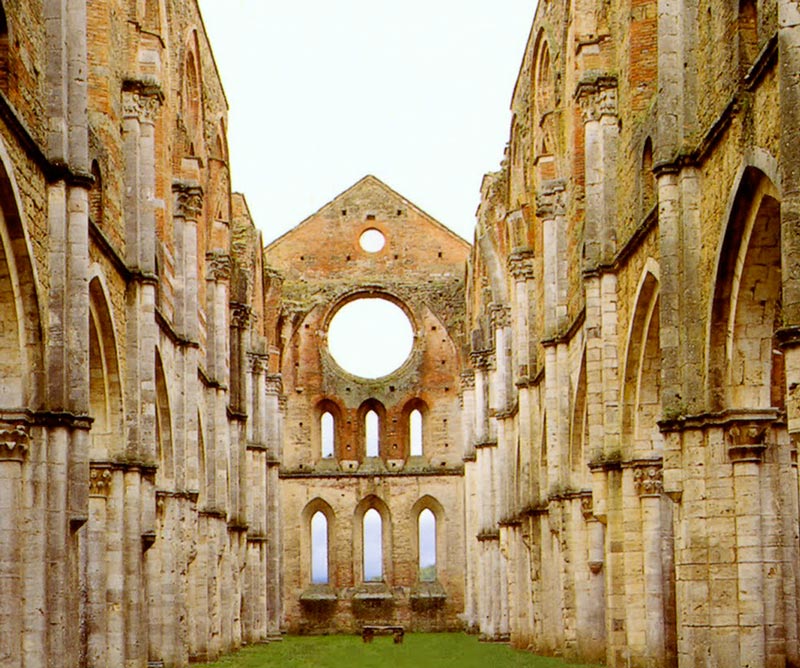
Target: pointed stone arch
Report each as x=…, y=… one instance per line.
x=745, y=366
x=578, y=457
x=21, y=338
x=164, y=442
x=105, y=386
x=641, y=408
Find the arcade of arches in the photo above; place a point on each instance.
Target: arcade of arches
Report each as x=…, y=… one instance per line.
x=586, y=446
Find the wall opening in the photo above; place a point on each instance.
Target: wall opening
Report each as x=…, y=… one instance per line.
x=415, y=432
x=370, y=337
x=319, y=548
x=327, y=430
x=373, y=546
x=372, y=433
x=426, y=525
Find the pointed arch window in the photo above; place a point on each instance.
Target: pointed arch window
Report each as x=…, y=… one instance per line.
x=319, y=548
x=415, y=432
x=327, y=434
x=373, y=546
x=371, y=433
x=426, y=532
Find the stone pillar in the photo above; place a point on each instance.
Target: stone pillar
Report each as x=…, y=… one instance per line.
x=648, y=485
x=746, y=445
x=14, y=444
x=140, y=106
x=592, y=609
x=275, y=410
x=97, y=567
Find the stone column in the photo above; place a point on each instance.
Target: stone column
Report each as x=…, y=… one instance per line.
x=14, y=444
x=592, y=609
x=97, y=571
x=746, y=445
x=275, y=410
x=648, y=485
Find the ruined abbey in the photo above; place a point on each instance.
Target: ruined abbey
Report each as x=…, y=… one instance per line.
x=589, y=448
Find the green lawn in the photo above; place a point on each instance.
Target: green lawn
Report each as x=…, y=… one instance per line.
x=419, y=650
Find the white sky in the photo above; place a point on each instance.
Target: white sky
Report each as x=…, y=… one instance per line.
x=322, y=92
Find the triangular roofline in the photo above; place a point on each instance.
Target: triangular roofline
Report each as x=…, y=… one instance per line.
x=390, y=190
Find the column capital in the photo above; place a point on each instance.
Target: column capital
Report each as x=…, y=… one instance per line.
x=597, y=97
x=648, y=478
x=141, y=102
x=520, y=265
x=500, y=315
x=218, y=265
x=100, y=480
x=468, y=380
x=746, y=441
x=188, y=200
x=551, y=199
x=14, y=441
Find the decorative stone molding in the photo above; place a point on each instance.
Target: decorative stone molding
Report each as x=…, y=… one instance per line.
x=100, y=478
x=468, y=380
x=648, y=479
x=14, y=441
x=218, y=266
x=520, y=265
x=188, y=200
x=746, y=441
x=597, y=98
x=551, y=200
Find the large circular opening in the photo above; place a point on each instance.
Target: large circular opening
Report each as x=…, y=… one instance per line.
x=370, y=337
x=372, y=240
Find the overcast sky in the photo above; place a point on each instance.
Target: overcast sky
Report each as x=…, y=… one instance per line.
x=323, y=92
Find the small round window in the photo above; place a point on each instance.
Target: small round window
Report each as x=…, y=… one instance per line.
x=370, y=337
x=372, y=240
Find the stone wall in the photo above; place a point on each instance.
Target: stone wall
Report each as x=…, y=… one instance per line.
x=420, y=267
x=632, y=353
x=139, y=418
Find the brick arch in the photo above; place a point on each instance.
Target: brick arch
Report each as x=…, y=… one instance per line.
x=328, y=405
x=105, y=385
x=744, y=369
x=641, y=407
x=371, y=404
x=414, y=404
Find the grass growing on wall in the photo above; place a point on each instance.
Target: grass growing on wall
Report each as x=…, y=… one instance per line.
x=418, y=650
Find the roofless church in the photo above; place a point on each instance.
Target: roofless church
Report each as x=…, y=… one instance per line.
x=586, y=446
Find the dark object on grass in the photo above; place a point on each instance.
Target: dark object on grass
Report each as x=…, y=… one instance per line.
x=368, y=632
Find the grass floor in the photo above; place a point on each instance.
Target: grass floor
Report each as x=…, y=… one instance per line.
x=418, y=650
